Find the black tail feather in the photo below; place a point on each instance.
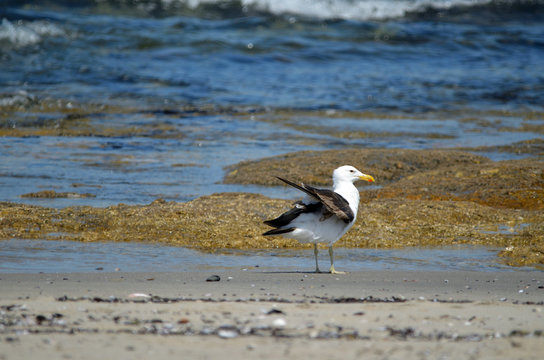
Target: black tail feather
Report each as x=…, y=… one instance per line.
x=285, y=218
x=278, y=231
x=300, y=208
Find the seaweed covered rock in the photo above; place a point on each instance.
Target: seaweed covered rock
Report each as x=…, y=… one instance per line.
x=427, y=198
x=234, y=220
x=315, y=167
x=517, y=184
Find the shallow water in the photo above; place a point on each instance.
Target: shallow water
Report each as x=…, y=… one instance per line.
x=134, y=101
x=138, y=170
x=33, y=256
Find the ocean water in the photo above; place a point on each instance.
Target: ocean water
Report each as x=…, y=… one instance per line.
x=131, y=101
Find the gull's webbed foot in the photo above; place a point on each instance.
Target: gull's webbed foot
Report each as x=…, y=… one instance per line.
x=333, y=271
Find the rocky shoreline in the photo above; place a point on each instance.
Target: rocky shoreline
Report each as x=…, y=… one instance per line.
x=423, y=198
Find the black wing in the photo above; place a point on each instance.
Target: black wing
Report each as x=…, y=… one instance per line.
x=334, y=203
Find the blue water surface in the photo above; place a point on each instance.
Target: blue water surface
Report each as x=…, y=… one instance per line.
x=51, y=256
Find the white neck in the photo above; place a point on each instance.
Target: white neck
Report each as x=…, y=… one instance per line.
x=348, y=192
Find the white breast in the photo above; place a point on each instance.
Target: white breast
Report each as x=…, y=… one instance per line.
x=311, y=229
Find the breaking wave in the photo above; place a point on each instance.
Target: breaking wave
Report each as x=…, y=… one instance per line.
x=24, y=33
x=355, y=10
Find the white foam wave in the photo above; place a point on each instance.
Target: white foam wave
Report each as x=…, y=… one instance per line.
x=19, y=98
x=23, y=33
x=340, y=9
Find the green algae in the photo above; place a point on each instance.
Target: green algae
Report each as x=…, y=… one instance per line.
x=52, y=194
x=234, y=221
x=449, y=198
x=532, y=147
x=517, y=184
x=315, y=167
x=62, y=118
x=219, y=221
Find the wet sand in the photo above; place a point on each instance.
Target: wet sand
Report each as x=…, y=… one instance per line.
x=377, y=314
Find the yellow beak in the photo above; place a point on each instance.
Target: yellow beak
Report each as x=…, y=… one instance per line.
x=366, y=178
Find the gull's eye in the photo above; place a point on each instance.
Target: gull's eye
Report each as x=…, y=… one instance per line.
x=351, y=171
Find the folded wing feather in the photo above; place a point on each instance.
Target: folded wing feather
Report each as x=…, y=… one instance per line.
x=333, y=202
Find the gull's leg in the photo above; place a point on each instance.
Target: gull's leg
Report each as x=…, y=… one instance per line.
x=316, y=265
x=331, y=270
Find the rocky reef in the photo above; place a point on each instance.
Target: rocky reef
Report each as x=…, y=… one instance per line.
x=423, y=198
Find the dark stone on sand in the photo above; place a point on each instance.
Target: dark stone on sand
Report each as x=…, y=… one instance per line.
x=275, y=312
x=214, y=278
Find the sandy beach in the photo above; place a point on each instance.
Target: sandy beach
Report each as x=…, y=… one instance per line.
x=378, y=315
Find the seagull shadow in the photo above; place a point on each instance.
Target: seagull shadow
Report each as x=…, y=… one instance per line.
x=297, y=272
